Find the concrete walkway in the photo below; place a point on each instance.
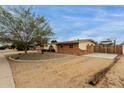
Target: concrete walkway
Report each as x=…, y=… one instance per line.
x=102, y=55
x=6, y=79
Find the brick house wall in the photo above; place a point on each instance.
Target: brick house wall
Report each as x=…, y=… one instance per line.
x=68, y=49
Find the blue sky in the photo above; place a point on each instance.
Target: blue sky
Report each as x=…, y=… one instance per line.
x=79, y=22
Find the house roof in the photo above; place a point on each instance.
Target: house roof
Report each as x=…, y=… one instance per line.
x=107, y=42
x=76, y=41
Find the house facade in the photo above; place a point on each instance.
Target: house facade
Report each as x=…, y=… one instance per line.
x=76, y=47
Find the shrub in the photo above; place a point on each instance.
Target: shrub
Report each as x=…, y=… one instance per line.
x=48, y=50
x=4, y=47
x=52, y=50
x=13, y=46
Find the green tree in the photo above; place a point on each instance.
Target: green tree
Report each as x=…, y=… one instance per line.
x=21, y=25
x=54, y=41
x=43, y=36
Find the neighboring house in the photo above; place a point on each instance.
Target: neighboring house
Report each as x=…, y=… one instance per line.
x=47, y=47
x=107, y=42
x=53, y=45
x=122, y=48
x=76, y=47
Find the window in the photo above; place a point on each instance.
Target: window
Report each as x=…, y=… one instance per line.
x=71, y=46
x=61, y=46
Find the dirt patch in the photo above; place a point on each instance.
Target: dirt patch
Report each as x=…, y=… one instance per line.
x=72, y=71
x=37, y=56
x=115, y=77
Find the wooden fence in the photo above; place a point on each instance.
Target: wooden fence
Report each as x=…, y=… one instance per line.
x=117, y=49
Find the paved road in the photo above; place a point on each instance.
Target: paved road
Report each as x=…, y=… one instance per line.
x=6, y=79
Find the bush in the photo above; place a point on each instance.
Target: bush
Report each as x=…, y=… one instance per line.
x=44, y=50
x=48, y=50
x=13, y=46
x=4, y=47
x=52, y=50
x=19, y=46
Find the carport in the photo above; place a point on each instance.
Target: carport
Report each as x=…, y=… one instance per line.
x=102, y=55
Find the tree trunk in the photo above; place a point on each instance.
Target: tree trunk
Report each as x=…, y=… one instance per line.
x=25, y=51
x=41, y=49
x=25, y=46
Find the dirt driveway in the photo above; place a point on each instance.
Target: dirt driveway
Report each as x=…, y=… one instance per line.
x=72, y=71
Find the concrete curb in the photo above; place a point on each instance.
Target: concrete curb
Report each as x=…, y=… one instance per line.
x=35, y=60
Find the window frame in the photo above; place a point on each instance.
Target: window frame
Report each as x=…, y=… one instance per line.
x=71, y=45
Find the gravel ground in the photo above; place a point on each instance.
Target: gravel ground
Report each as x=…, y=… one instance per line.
x=72, y=71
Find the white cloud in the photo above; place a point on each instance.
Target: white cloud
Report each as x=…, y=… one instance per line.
x=112, y=30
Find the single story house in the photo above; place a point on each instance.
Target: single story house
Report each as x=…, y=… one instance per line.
x=75, y=47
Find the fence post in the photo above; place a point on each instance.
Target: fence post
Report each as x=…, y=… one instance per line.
x=123, y=49
x=92, y=48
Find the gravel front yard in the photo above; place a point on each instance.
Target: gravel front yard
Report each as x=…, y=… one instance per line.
x=72, y=71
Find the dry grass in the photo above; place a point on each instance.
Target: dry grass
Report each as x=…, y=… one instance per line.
x=72, y=71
